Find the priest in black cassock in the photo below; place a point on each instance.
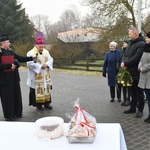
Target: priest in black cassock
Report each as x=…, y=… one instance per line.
x=10, y=91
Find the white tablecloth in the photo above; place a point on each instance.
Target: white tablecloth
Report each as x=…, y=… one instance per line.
x=20, y=136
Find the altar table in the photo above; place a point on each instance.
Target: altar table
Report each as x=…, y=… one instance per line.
x=20, y=136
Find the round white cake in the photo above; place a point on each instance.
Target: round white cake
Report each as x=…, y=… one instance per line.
x=50, y=127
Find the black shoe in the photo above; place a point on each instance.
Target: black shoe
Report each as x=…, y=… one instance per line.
x=112, y=100
x=139, y=114
x=18, y=116
x=127, y=103
x=148, y=118
x=10, y=119
x=148, y=121
x=130, y=111
x=122, y=104
x=48, y=107
x=119, y=100
x=40, y=108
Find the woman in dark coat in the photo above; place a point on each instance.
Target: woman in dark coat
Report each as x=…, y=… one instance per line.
x=10, y=81
x=144, y=68
x=111, y=67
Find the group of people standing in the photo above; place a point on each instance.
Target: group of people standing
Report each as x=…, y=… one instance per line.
x=135, y=57
x=39, y=63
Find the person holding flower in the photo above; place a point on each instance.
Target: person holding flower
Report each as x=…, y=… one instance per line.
x=111, y=67
x=126, y=87
x=144, y=68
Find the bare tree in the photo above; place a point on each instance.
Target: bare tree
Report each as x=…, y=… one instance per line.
x=38, y=21
x=69, y=20
x=66, y=51
x=110, y=10
x=42, y=23
x=146, y=24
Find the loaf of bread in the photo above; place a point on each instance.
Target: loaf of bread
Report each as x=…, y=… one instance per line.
x=50, y=127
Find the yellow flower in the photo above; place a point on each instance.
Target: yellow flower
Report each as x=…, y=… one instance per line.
x=124, y=77
x=118, y=81
x=129, y=84
x=122, y=82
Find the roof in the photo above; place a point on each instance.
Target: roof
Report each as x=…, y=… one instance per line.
x=80, y=35
x=76, y=39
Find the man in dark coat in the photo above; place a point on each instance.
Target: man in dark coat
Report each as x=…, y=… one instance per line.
x=133, y=55
x=10, y=91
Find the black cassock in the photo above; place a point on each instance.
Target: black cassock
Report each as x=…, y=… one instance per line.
x=10, y=91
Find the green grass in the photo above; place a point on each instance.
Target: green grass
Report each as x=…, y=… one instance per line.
x=90, y=73
x=79, y=69
x=97, y=62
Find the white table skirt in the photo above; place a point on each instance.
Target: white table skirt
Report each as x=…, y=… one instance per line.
x=20, y=136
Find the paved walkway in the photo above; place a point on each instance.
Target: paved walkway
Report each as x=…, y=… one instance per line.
x=94, y=96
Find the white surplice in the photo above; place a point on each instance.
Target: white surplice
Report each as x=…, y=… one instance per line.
x=38, y=78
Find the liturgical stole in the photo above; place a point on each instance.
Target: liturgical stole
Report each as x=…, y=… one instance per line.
x=42, y=79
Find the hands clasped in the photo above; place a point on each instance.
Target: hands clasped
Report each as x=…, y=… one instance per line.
x=44, y=66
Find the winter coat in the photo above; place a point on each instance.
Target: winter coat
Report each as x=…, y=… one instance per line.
x=111, y=66
x=133, y=54
x=144, y=81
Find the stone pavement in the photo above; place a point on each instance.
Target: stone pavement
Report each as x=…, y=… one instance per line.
x=93, y=93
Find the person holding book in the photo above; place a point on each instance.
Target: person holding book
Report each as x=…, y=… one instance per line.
x=10, y=91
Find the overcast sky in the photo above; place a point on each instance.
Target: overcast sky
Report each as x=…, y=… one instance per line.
x=52, y=8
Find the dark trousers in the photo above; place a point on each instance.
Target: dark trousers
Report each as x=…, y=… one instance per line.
x=137, y=97
x=147, y=92
x=117, y=90
x=126, y=93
